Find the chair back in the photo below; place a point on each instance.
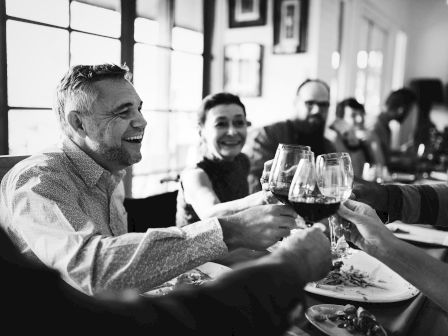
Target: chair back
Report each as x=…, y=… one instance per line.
x=156, y=211
x=8, y=161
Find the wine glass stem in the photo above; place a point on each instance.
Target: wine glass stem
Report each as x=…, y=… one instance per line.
x=333, y=238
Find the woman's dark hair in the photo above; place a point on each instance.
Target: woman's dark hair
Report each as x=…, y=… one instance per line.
x=350, y=102
x=403, y=97
x=221, y=98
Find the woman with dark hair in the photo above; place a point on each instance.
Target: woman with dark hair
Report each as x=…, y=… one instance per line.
x=217, y=185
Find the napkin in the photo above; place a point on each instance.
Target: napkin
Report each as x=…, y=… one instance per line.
x=418, y=233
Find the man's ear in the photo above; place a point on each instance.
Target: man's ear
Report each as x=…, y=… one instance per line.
x=74, y=121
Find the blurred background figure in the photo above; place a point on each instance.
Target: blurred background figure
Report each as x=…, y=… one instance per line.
x=307, y=128
x=351, y=135
x=398, y=106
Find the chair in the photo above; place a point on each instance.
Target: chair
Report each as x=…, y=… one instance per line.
x=428, y=90
x=8, y=161
x=156, y=211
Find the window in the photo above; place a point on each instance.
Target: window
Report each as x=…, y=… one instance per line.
x=168, y=65
x=165, y=55
x=39, y=49
x=369, y=70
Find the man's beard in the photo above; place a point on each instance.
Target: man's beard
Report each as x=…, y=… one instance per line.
x=311, y=133
x=314, y=126
x=116, y=154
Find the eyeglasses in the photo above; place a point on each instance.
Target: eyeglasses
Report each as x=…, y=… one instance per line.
x=321, y=104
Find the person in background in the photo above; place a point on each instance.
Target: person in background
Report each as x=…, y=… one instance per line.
x=64, y=208
x=217, y=185
x=398, y=105
x=352, y=137
x=412, y=204
x=311, y=104
x=264, y=297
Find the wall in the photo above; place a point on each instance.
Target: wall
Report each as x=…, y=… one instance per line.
x=428, y=47
x=281, y=73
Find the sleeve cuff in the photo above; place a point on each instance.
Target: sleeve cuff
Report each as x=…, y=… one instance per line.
x=395, y=202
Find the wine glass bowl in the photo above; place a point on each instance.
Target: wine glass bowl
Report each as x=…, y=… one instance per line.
x=304, y=195
x=283, y=169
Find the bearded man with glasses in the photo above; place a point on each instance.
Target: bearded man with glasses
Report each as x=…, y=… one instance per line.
x=311, y=104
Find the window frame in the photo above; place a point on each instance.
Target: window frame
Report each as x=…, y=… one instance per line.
x=128, y=15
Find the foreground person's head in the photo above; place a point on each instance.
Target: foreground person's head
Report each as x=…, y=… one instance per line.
x=222, y=126
x=99, y=109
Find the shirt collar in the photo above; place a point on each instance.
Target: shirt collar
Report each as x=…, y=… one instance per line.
x=89, y=170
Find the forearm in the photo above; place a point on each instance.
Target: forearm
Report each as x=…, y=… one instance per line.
x=423, y=204
x=95, y=263
x=226, y=208
x=425, y=272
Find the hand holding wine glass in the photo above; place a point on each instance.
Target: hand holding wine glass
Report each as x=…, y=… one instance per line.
x=335, y=179
x=283, y=169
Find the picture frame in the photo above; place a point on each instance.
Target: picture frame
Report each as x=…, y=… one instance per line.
x=290, y=26
x=243, y=69
x=247, y=13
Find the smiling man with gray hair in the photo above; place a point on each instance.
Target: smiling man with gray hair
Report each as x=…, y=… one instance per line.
x=64, y=208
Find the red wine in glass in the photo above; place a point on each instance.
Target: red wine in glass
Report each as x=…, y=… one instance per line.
x=314, y=209
x=280, y=193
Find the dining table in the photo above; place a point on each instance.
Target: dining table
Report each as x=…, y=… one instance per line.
x=415, y=316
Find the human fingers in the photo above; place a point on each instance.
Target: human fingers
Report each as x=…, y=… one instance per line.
x=268, y=164
x=283, y=232
x=347, y=211
x=277, y=210
x=320, y=226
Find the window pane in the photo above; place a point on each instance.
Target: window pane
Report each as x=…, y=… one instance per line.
x=188, y=14
x=155, y=146
x=90, y=49
x=184, y=139
x=37, y=10
x=34, y=70
x=148, y=8
x=170, y=144
x=188, y=40
x=110, y=4
x=31, y=131
x=95, y=19
x=186, y=81
x=150, y=78
x=146, y=31
x=147, y=185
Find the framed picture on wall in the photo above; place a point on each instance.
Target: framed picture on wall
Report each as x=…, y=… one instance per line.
x=290, y=26
x=246, y=13
x=243, y=69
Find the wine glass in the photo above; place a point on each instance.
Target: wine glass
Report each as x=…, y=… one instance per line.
x=335, y=179
x=283, y=168
x=305, y=196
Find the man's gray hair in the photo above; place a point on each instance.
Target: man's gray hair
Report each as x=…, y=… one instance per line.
x=76, y=90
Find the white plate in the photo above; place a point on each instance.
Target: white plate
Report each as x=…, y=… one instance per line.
x=210, y=268
x=327, y=326
x=419, y=234
x=391, y=287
